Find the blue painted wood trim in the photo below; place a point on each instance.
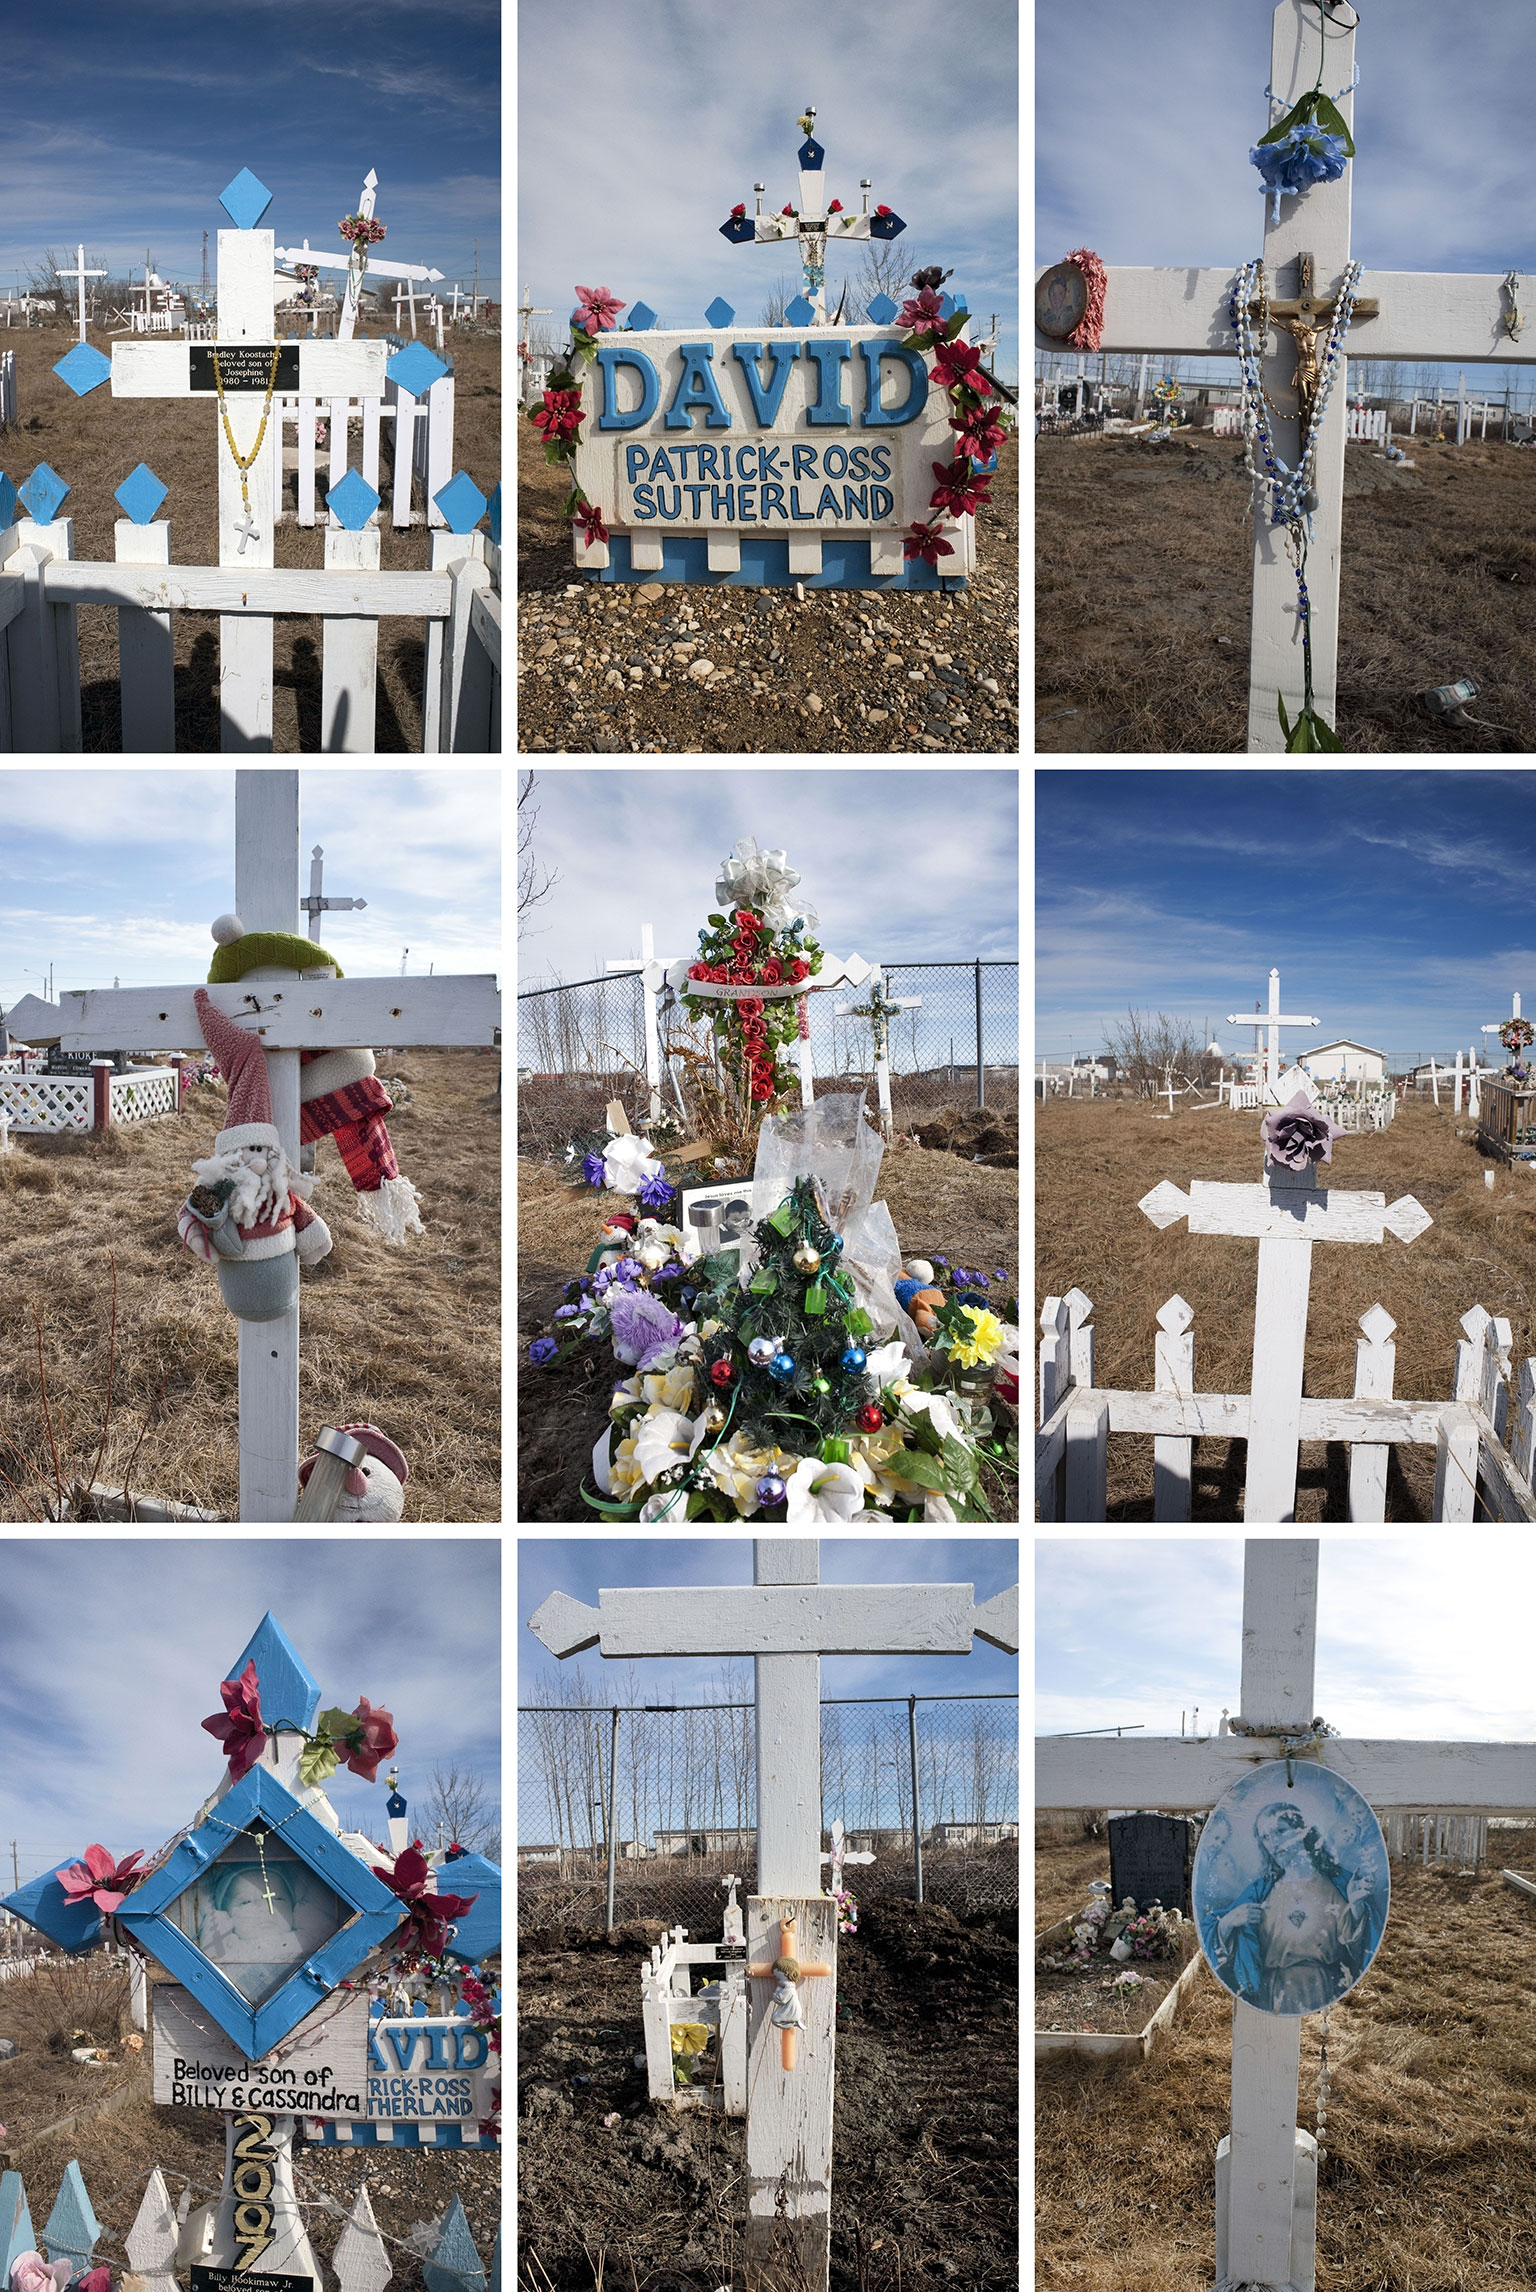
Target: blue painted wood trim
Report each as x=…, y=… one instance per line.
x=765, y=565
x=16, y=2235
x=287, y=1686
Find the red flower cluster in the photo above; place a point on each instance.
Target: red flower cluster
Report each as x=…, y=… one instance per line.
x=590, y=518
x=560, y=415
x=958, y=367
x=959, y=490
x=239, y=1725
x=429, y=1914
x=927, y=542
x=979, y=434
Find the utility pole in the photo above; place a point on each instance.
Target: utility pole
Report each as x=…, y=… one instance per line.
x=403, y=954
x=474, y=292
x=15, y=1870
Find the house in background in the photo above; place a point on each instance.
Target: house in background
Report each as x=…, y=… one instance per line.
x=1344, y=1061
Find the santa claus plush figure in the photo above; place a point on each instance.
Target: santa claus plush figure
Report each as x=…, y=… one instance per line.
x=374, y=1489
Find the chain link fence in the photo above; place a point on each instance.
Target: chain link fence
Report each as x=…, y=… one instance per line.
x=673, y=1792
x=582, y=1044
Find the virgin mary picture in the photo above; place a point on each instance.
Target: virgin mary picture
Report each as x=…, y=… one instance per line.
x=1291, y=1888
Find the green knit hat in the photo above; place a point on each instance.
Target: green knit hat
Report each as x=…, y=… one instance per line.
x=241, y=951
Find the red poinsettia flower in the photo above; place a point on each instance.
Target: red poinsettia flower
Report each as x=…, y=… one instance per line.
x=959, y=490
x=590, y=518
x=957, y=366
x=378, y=1741
x=99, y=1879
x=238, y=1726
x=921, y=312
x=739, y=209
x=560, y=415
x=927, y=542
x=979, y=435
x=430, y=1914
x=773, y=972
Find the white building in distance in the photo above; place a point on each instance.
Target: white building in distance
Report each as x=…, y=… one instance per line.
x=1344, y=1061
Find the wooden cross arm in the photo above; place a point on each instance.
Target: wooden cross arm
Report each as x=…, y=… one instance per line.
x=326, y=369
x=779, y=1619
x=1179, y=1776
x=299, y=1014
x=765, y=1973
x=1274, y=1212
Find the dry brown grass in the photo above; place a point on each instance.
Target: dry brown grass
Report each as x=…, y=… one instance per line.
x=1431, y=2180
x=403, y=1338
x=94, y=442
x=1145, y=565
x=1094, y=1161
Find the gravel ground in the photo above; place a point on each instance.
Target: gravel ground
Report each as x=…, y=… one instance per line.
x=650, y=669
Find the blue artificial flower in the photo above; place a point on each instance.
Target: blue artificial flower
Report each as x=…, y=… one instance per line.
x=999, y=1273
x=982, y=1280
x=1303, y=156
x=655, y=1193
x=542, y=1349
x=592, y=1169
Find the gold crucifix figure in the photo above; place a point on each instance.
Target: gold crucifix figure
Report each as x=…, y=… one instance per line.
x=1307, y=320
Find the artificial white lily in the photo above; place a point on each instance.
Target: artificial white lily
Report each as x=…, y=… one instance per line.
x=819, y=1494
x=888, y=1362
x=935, y=1407
x=937, y=1507
x=663, y=1439
x=667, y=1504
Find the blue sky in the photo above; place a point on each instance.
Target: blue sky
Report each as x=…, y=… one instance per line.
x=118, y=874
x=634, y=848
x=111, y=1654
x=1396, y=904
x=1144, y=126
x=127, y=123
x=641, y=128
x=1414, y=1639
x=581, y=1566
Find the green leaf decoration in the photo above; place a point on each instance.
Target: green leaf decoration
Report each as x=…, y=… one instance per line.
x=1333, y=122
x=816, y=1301
x=913, y=1464
x=610, y=1511
x=1295, y=117
x=317, y=1761
x=953, y=325
x=1310, y=735
x=964, y=1463
x=717, y=920
x=334, y=1722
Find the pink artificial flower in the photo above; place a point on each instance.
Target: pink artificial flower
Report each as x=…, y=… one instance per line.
x=980, y=434
x=30, y=2272
x=921, y=312
x=429, y=1914
x=99, y=1879
x=599, y=309
x=95, y=2280
x=379, y=1740
x=238, y=1726
x=959, y=490
x=927, y=542
x=590, y=518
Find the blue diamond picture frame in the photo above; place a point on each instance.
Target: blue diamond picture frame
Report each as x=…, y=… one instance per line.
x=256, y=2029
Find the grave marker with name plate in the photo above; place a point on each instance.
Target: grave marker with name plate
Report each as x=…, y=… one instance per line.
x=1150, y=1858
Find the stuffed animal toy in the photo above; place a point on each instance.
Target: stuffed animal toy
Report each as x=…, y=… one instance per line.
x=614, y=1242
x=374, y=1489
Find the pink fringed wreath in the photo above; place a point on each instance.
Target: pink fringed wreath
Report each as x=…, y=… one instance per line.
x=1095, y=277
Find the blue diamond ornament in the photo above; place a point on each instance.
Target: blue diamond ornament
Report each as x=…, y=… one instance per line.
x=461, y=502
x=84, y=369
x=882, y=310
x=245, y=200
x=287, y=1687
x=7, y=502
x=641, y=317
x=799, y=312
x=41, y=495
x=478, y=1932
x=720, y=312
x=415, y=369
x=495, y=513
x=42, y=1903
x=141, y=494
x=351, y=502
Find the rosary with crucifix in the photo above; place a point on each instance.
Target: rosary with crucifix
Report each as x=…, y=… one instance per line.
x=244, y=462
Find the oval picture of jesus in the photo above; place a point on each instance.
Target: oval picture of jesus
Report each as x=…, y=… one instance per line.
x=1291, y=1888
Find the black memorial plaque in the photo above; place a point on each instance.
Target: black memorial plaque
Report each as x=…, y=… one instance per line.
x=246, y=2280
x=243, y=365
x=1150, y=1858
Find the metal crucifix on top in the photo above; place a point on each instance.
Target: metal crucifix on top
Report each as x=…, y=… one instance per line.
x=811, y=226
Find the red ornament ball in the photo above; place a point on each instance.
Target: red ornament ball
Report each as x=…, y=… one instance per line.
x=721, y=1373
x=870, y=1418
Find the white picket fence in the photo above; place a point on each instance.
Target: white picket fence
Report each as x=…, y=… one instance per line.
x=12, y=1969
x=1371, y=1112
x=667, y=1997
x=1483, y=1437
x=1226, y=421
x=166, y=2236
x=7, y=389
x=421, y=432
x=1366, y=422
x=42, y=585
x=48, y=1105
x=1437, y=1837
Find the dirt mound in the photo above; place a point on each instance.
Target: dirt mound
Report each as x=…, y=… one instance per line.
x=977, y=1134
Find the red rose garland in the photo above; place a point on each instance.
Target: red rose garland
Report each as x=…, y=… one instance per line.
x=751, y=1029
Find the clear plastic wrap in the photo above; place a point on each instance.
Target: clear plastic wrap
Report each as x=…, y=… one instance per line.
x=834, y=1144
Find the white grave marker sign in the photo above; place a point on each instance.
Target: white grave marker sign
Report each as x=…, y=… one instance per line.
x=320, y=2068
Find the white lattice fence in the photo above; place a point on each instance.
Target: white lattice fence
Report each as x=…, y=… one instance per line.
x=144, y=1097
x=48, y=1103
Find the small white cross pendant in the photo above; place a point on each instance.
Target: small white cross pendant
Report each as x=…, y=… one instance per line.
x=247, y=532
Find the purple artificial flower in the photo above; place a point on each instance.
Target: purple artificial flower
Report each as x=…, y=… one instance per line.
x=982, y=1280
x=542, y=1349
x=960, y=1273
x=642, y=1329
x=1296, y=1134
x=655, y=1194
x=941, y=1261
x=1000, y=1273
x=566, y=1312
x=592, y=1169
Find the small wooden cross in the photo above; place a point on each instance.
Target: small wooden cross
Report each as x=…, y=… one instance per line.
x=879, y=1011
x=1270, y=1064
x=81, y=274
x=1306, y=319
x=840, y=1855
x=786, y=2011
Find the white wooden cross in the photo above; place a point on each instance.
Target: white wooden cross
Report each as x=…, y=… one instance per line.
x=879, y=1011
x=840, y=1856
x=787, y=1621
x=1271, y=1064
x=379, y=263
x=834, y=972
x=649, y=963
x=1514, y=1013
x=322, y=1014
x=248, y=290
x=812, y=226
x=1287, y=1212
x=527, y=312
x=315, y=905
x=81, y=274
x=1266, y=2167
x=1444, y=317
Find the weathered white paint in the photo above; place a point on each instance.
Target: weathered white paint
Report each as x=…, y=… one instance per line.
x=1186, y=1776
x=234, y=590
x=1375, y=1367
x=294, y=1014
x=789, y=2110
x=332, y=2042
x=779, y=1615
x=1174, y=1372
x=81, y=274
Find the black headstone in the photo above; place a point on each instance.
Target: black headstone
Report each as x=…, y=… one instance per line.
x=1150, y=1857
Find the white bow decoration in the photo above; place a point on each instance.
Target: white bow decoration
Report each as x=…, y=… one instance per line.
x=762, y=880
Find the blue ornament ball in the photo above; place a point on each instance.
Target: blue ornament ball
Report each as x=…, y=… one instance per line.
x=853, y=1360
x=761, y=1351
x=770, y=1489
x=834, y=1245
x=782, y=1367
